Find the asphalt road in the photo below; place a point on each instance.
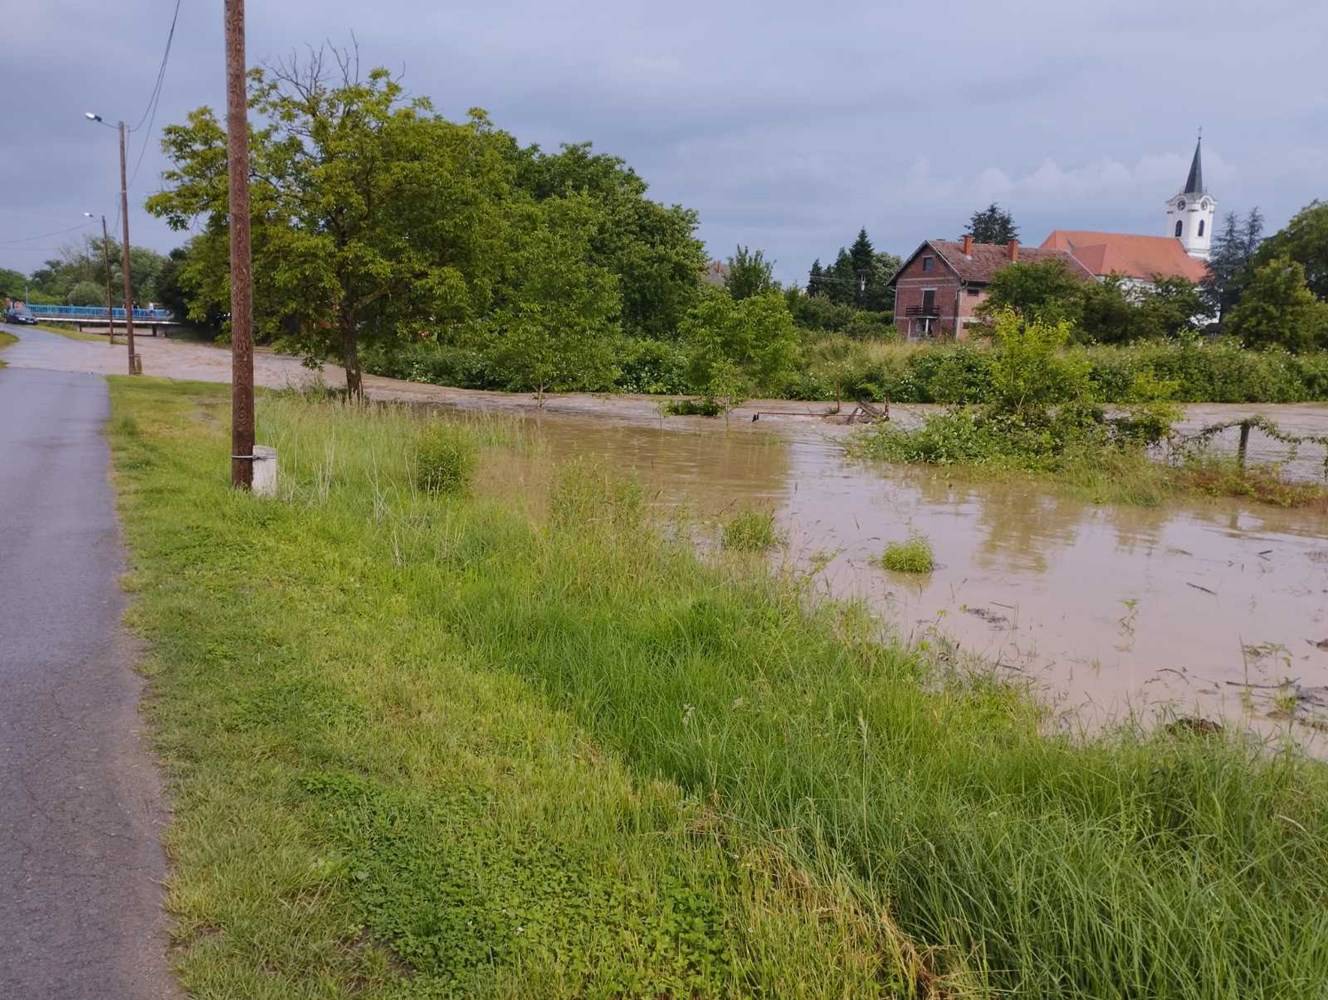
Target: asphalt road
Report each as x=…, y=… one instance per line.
x=80, y=804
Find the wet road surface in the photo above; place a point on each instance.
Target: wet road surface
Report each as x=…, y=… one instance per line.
x=80, y=805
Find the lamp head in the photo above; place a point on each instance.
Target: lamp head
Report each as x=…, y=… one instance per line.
x=91, y=117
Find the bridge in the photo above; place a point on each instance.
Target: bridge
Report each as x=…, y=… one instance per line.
x=89, y=313
x=157, y=321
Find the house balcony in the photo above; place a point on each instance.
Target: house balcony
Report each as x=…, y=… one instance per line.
x=922, y=312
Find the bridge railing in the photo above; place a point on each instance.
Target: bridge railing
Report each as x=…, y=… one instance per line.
x=40, y=309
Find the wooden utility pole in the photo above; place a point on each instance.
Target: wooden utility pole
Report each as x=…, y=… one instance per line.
x=124, y=258
x=110, y=302
x=242, y=291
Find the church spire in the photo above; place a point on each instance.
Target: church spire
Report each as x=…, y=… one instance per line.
x=1194, y=183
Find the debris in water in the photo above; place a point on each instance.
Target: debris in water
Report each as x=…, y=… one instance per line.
x=1193, y=725
x=1199, y=587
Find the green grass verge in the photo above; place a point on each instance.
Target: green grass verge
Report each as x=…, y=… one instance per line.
x=5, y=340
x=437, y=745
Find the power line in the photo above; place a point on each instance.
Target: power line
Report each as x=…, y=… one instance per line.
x=150, y=112
x=42, y=236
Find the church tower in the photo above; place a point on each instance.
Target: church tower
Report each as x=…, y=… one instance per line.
x=1190, y=213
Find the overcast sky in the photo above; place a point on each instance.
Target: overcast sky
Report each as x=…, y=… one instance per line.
x=786, y=124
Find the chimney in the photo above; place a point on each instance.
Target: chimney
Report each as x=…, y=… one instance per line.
x=1012, y=248
x=968, y=244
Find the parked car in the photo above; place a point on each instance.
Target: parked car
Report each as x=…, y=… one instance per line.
x=20, y=313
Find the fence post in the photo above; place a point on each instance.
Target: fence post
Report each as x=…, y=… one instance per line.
x=1244, y=444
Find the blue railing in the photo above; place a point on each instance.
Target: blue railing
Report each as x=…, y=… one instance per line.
x=40, y=309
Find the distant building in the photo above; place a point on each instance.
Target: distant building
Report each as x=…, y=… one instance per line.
x=716, y=273
x=940, y=286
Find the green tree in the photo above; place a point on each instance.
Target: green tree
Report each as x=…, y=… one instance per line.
x=12, y=282
x=1279, y=310
x=736, y=348
x=1305, y=241
x=1029, y=369
x=992, y=224
x=1167, y=308
x=1043, y=290
x=86, y=293
x=373, y=217
x=749, y=273
x=1229, y=266
x=556, y=326
x=86, y=263
x=651, y=247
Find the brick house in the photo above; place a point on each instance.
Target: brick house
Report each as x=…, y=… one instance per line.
x=938, y=288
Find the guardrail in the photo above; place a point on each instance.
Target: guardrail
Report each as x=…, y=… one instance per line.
x=40, y=309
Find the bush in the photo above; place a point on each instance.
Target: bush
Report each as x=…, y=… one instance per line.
x=912, y=556
x=655, y=367
x=444, y=461
x=693, y=408
x=751, y=531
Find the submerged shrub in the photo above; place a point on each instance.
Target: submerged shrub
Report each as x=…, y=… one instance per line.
x=445, y=461
x=751, y=531
x=912, y=556
x=693, y=408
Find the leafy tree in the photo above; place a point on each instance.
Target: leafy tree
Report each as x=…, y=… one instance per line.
x=86, y=263
x=735, y=348
x=1229, y=266
x=1305, y=241
x=87, y=293
x=1167, y=308
x=1279, y=310
x=373, y=217
x=651, y=247
x=12, y=282
x=1029, y=369
x=749, y=273
x=992, y=224
x=556, y=327
x=1043, y=290
x=1107, y=315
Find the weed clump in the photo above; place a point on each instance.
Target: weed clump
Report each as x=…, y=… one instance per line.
x=445, y=461
x=751, y=531
x=693, y=408
x=912, y=556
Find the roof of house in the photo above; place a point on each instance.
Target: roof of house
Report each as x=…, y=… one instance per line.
x=1143, y=257
x=980, y=264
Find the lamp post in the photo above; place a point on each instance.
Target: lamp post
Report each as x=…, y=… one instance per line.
x=135, y=367
x=110, y=302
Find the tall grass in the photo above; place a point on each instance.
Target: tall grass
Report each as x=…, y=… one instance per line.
x=935, y=839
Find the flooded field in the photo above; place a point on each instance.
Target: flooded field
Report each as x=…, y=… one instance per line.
x=1212, y=609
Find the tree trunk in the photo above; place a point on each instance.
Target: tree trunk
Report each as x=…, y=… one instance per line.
x=351, y=359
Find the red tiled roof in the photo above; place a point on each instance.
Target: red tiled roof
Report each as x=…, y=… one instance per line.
x=1144, y=257
x=983, y=260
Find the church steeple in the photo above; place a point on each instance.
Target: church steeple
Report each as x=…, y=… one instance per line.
x=1194, y=183
x=1190, y=213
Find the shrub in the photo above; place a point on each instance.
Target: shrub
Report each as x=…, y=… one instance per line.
x=655, y=367
x=693, y=408
x=912, y=556
x=444, y=461
x=751, y=531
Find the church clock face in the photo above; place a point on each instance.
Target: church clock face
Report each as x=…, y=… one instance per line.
x=1180, y=203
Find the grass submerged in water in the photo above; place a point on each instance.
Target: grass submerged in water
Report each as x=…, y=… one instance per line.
x=431, y=746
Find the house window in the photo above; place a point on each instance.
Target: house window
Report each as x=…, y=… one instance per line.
x=1201, y=222
x=1178, y=228
x=928, y=262
x=929, y=302
x=974, y=292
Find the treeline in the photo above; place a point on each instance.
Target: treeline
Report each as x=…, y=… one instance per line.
x=78, y=276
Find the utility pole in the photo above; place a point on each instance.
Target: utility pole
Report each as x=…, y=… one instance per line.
x=134, y=368
x=242, y=292
x=110, y=302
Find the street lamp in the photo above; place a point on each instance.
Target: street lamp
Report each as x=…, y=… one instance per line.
x=106, y=256
x=135, y=366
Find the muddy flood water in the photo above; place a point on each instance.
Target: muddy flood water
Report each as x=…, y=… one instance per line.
x=1215, y=609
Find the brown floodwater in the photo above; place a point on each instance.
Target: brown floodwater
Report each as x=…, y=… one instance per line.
x=1215, y=609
